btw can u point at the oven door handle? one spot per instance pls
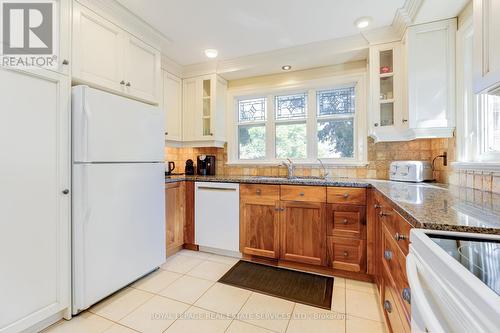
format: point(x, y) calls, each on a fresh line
point(418, 297)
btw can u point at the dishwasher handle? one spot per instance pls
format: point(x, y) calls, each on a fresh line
point(209, 188)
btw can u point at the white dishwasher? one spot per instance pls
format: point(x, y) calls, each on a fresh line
point(217, 217)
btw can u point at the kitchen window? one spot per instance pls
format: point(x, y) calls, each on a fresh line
point(323, 121)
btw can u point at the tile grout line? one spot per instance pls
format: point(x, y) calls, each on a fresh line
point(289, 320)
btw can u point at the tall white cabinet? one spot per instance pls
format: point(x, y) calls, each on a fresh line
point(108, 57)
point(35, 193)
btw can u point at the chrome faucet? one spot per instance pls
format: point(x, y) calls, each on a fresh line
point(291, 168)
point(325, 173)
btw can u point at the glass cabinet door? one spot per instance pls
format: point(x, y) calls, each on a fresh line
point(207, 106)
point(386, 84)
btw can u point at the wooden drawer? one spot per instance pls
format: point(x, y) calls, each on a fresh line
point(269, 193)
point(398, 228)
point(347, 254)
point(346, 221)
point(303, 193)
point(346, 195)
point(397, 321)
point(395, 263)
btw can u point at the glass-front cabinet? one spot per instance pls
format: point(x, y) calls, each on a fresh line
point(386, 74)
point(386, 89)
point(204, 105)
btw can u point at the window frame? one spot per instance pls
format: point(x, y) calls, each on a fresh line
point(472, 125)
point(310, 87)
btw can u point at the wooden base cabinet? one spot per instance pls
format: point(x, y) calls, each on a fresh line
point(259, 220)
point(303, 232)
point(174, 216)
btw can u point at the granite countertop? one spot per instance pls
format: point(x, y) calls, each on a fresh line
point(424, 205)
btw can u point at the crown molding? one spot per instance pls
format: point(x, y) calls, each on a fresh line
point(171, 66)
point(405, 16)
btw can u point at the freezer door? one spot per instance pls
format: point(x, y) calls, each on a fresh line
point(112, 128)
point(118, 227)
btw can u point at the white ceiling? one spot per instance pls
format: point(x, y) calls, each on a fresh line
point(244, 27)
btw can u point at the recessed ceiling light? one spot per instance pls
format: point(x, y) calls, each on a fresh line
point(286, 67)
point(211, 53)
point(363, 22)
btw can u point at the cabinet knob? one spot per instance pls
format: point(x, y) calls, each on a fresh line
point(406, 294)
point(404, 120)
point(258, 191)
point(377, 206)
point(65, 191)
point(346, 254)
point(376, 124)
point(211, 134)
point(398, 236)
point(122, 82)
point(128, 84)
point(345, 221)
point(166, 133)
point(65, 62)
point(387, 306)
point(302, 194)
point(388, 255)
point(383, 214)
point(346, 195)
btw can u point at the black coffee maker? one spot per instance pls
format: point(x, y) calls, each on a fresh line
point(205, 165)
point(189, 169)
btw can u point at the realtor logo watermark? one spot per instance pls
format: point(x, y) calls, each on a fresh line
point(29, 33)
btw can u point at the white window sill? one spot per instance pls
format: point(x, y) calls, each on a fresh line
point(477, 166)
point(327, 164)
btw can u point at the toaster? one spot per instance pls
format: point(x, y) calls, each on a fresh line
point(411, 171)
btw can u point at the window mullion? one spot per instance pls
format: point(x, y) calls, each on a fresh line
point(270, 130)
point(312, 137)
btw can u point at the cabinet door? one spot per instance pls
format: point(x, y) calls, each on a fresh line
point(172, 104)
point(97, 50)
point(259, 228)
point(142, 70)
point(431, 75)
point(303, 232)
point(190, 106)
point(174, 216)
point(486, 45)
point(35, 221)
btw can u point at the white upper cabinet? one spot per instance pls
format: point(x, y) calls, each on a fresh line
point(412, 84)
point(172, 104)
point(386, 73)
point(107, 57)
point(486, 45)
point(431, 77)
point(142, 70)
point(204, 109)
point(97, 51)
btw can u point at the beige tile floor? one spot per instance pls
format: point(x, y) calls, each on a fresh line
point(183, 296)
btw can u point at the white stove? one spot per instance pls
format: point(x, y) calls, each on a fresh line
point(455, 281)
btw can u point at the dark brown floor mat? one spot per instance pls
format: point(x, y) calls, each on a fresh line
point(300, 287)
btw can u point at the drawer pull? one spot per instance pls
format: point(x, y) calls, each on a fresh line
point(345, 221)
point(279, 209)
point(302, 194)
point(383, 214)
point(387, 306)
point(377, 206)
point(346, 254)
point(399, 237)
point(406, 294)
point(388, 255)
point(258, 191)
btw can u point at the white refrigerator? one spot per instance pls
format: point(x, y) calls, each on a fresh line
point(118, 205)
